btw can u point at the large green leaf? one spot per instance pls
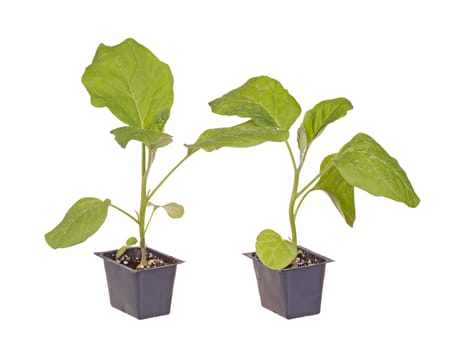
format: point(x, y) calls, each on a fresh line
point(339, 191)
point(151, 138)
point(261, 98)
point(132, 82)
point(243, 135)
point(81, 221)
point(274, 251)
point(365, 164)
point(324, 113)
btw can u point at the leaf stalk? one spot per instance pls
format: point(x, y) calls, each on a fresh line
point(125, 213)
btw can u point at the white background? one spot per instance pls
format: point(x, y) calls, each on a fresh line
point(399, 280)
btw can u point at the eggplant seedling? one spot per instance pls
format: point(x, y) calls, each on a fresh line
point(360, 163)
point(137, 88)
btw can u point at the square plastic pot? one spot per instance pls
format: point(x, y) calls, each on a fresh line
point(140, 293)
point(294, 292)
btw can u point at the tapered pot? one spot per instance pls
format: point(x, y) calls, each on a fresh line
point(292, 292)
point(140, 293)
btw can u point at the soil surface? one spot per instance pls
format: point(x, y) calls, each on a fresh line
point(303, 259)
point(153, 261)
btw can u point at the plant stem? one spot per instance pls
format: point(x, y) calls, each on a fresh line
point(124, 212)
point(291, 155)
point(143, 205)
point(311, 182)
point(323, 171)
point(300, 202)
point(151, 194)
point(303, 157)
point(147, 158)
point(292, 201)
point(150, 218)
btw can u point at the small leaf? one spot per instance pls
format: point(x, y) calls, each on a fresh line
point(174, 210)
point(121, 252)
point(339, 191)
point(131, 241)
point(302, 140)
point(365, 164)
point(161, 119)
point(151, 138)
point(324, 113)
point(132, 82)
point(273, 251)
point(263, 99)
point(243, 135)
point(81, 221)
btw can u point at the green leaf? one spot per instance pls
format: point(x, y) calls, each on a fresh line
point(263, 99)
point(133, 83)
point(131, 241)
point(302, 140)
point(365, 164)
point(151, 138)
point(121, 252)
point(273, 251)
point(324, 113)
point(81, 221)
point(243, 135)
point(174, 210)
point(339, 191)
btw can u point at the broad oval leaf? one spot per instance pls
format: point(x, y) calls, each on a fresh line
point(324, 113)
point(174, 210)
point(151, 138)
point(243, 135)
point(338, 189)
point(273, 251)
point(365, 164)
point(132, 82)
point(81, 221)
point(260, 98)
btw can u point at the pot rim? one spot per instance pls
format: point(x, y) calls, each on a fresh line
point(106, 258)
point(326, 259)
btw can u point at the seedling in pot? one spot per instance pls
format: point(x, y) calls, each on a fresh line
point(361, 163)
point(137, 88)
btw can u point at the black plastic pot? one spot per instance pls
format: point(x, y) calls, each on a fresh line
point(144, 293)
point(293, 292)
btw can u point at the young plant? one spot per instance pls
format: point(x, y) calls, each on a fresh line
point(138, 89)
point(361, 162)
